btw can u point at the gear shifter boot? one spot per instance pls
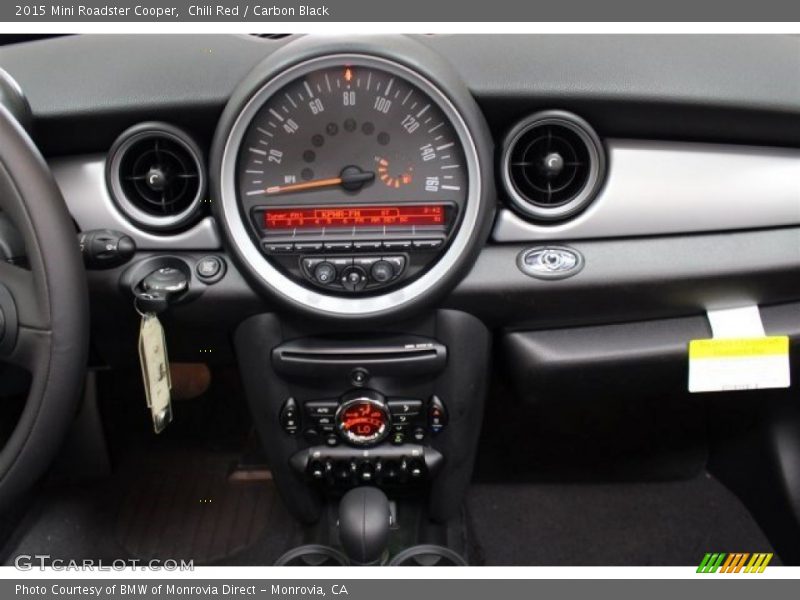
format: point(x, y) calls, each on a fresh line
point(364, 519)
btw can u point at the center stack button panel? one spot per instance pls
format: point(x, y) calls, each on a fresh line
point(353, 273)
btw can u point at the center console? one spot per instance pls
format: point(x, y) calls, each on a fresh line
point(353, 183)
point(397, 406)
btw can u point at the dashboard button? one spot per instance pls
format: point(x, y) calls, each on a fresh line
point(366, 470)
point(398, 262)
point(308, 247)
point(365, 262)
point(437, 415)
point(410, 408)
point(382, 271)
point(209, 268)
point(354, 279)
point(397, 244)
point(340, 262)
point(428, 244)
point(368, 245)
point(277, 248)
point(316, 469)
point(359, 376)
point(325, 273)
point(290, 416)
point(338, 246)
point(309, 264)
point(321, 408)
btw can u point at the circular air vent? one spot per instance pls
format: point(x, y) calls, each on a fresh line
point(553, 164)
point(156, 176)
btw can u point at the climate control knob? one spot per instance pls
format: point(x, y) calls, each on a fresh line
point(363, 418)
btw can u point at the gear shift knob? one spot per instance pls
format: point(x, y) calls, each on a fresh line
point(364, 520)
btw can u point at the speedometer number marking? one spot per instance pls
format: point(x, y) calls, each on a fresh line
point(316, 106)
point(427, 152)
point(382, 104)
point(410, 124)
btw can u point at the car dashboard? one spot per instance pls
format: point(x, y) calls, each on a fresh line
point(381, 232)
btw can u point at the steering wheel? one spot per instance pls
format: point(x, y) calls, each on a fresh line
point(44, 316)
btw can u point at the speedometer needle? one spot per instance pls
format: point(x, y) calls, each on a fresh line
point(351, 178)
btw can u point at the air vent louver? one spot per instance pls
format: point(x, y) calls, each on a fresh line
point(553, 165)
point(156, 176)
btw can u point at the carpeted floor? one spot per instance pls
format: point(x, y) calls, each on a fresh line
point(171, 503)
point(632, 524)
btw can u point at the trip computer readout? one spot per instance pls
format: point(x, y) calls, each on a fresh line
point(354, 217)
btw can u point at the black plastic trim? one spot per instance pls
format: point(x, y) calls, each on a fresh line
point(400, 356)
point(724, 88)
point(637, 279)
point(623, 357)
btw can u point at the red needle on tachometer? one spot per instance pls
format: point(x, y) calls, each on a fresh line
point(351, 178)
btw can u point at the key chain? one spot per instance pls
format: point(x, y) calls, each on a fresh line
point(153, 358)
point(151, 298)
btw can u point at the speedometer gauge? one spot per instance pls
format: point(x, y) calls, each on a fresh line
point(352, 177)
point(351, 150)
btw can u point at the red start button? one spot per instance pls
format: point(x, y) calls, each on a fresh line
point(363, 420)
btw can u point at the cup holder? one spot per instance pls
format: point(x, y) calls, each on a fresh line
point(424, 555)
point(428, 555)
point(313, 555)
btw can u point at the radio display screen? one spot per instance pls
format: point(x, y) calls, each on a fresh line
point(317, 217)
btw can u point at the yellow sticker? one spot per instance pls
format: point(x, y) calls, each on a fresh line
point(722, 364)
point(739, 347)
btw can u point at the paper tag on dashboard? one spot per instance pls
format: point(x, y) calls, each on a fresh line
point(744, 322)
point(739, 356)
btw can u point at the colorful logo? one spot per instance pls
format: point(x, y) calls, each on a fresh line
point(736, 562)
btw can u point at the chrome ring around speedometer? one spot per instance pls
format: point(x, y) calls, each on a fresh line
point(292, 174)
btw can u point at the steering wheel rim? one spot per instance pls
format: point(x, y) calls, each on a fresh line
point(45, 309)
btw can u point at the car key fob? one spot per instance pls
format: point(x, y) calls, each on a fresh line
point(147, 302)
point(166, 280)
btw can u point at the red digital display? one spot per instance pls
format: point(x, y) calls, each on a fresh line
point(363, 421)
point(317, 217)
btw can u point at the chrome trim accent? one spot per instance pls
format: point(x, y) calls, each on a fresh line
point(552, 262)
point(82, 180)
point(662, 188)
point(283, 285)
